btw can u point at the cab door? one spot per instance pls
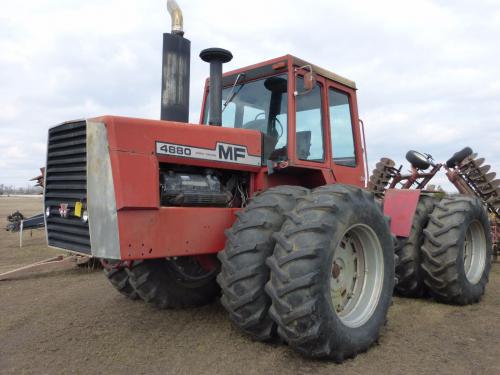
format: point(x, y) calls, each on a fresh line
point(346, 148)
point(308, 130)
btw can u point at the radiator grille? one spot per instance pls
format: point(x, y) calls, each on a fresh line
point(66, 183)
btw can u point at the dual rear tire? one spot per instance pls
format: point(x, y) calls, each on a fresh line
point(448, 252)
point(457, 250)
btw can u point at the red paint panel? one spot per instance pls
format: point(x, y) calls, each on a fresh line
point(400, 206)
point(136, 180)
point(173, 231)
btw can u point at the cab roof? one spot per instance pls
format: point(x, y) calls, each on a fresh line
point(269, 66)
point(324, 72)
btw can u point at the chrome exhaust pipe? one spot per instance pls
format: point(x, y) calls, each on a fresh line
point(175, 69)
point(176, 15)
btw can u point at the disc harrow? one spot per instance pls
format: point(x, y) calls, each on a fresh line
point(468, 172)
point(481, 181)
point(381, 176)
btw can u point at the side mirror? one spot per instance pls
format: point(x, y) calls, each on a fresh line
point(309, 80)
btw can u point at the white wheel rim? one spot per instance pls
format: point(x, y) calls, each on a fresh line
point(357, 275)
point(474, 252)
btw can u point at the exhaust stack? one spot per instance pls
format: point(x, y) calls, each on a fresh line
point(175, 69)
point(216, 57)
point(176, 15)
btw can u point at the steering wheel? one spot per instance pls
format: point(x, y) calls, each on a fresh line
point(280, 127)
point(275, 120)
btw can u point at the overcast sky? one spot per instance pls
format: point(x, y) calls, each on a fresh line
point(428, 72)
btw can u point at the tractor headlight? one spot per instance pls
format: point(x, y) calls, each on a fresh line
point(47, 211)
point(85, 216)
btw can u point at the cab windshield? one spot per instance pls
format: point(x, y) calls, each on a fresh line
point(259, 105)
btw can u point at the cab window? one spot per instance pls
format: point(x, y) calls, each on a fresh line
point(342, 137)
point(259, 105)
point(309, 128)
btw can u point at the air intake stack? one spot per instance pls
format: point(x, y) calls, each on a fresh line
point(216, 57)
point(175, 69)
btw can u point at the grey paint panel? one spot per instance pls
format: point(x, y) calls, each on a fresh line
point(101, 203)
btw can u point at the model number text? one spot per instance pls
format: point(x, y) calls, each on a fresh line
point(176, 150)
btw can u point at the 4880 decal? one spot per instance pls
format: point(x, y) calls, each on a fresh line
point(175, 150)
point(222, 152)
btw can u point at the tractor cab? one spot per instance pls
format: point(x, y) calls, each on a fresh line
point(308, 117)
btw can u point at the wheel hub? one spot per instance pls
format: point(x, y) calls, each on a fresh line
point(336, 269)
point(344, 273)
point(474, 252)
point(356, 275)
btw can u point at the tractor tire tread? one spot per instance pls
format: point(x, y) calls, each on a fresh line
point(244, 272)
point(298, 268)
point(118, 277)
point(442, 250)
point(157, 284)
point(408, 268)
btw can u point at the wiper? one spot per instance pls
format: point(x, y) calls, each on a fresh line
point(232, 94)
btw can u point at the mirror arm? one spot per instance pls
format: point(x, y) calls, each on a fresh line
point(304, 67)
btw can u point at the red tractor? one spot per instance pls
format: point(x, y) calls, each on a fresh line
point(264, 200)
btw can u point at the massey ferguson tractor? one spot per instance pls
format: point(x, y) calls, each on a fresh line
point(262, 203)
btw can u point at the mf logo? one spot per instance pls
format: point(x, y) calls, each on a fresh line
point(231, 152)
point(63, 210)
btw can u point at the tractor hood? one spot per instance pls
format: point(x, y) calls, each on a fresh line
point(181, 143)
point(123, 164)
point(137, 147)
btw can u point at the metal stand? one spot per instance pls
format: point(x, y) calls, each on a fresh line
point(21, 226)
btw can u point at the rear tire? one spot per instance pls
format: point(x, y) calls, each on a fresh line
point(243, 271)
point(409, 268)
point(173, 283)
point(314, 259)
point(457, 250)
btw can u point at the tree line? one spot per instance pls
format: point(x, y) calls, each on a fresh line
point(10, 189)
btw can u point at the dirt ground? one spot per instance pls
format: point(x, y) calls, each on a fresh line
point(73, 321)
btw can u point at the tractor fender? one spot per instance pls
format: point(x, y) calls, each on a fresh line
point(400, 205)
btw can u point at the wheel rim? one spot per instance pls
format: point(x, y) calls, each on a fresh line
point(474, 252)
point(357, 275)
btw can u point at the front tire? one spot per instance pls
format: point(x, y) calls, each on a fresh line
point(243, 270)
point(457, 250)
point(173, 283)
point(332, 273)
point(117, 275)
